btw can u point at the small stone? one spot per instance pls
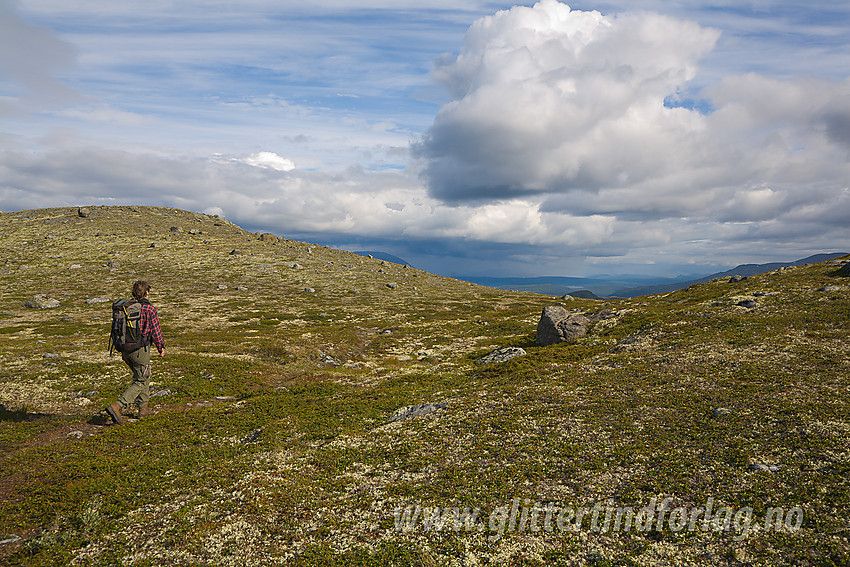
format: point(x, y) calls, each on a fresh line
point(253, 436)
point(501, 355)
point(765, 468)
point(153, 245)
point(50, 355)
point(83, 212)
point(720, 412)
point(222, 286)
point(42, 301)
point(194, 231)
point(235, 252)
point(296, 266)
point(241, 288)
point(91, 300)
point(268, 237)
point(830, 288)
point(112, 264)
point(164, 392)
point(386, 332)
point(76, 434)
point(328, 359)
point(417, 410)
point(392, 285)
point(309, 290)
point(568, 297)
point(9, 538)
point(175, 229)
point(74, 267)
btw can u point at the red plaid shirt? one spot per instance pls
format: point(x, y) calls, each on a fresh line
point(149, 325)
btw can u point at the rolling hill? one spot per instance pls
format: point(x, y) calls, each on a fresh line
point(316, 407)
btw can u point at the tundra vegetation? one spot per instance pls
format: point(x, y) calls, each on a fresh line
point(274, 440)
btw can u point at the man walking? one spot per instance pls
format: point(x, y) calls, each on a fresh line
point(139, 360)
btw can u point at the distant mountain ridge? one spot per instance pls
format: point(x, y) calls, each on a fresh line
point(629, 285)
point(740, 270)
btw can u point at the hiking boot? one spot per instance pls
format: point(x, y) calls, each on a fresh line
point(144, 410)
point(114, 412)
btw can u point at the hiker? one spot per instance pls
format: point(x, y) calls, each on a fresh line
point(138, 314)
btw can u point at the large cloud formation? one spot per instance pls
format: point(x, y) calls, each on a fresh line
point(573, 142)
point(586, 113)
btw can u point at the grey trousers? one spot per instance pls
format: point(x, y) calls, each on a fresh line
point(139, 392)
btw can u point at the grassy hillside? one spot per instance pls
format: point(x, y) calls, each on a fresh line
point(273, 440)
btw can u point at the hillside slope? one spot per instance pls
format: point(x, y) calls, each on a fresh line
point(662, 437)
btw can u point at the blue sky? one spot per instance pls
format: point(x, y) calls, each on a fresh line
point(475, 138)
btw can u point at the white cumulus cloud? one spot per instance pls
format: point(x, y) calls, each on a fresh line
point(270, 160)
point(548, 100)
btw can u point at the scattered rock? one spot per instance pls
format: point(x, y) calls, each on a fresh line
point(253, 436)
point(601, 315)
point(844, 271)
point(408, 412)
point(720, 413)
point(501, 355)
point(74, 267)
point(9, 538)
point(392, 285)
point(765, 468)
point(268, 237)
point(42, 301)
point(568, 297)
point(98, 300)
point(76, 434)
point(296, 266)
point(386, 332)
point(175, 229)
point(241, 288)
point(153, 245)
point(50, 355)
point(83, 212)
point(748, 303)
point(309, 290)
point(222, 286)
point(830, 288)
point(736, 279)
point(164, 392)
point(328, 359)
point(556, 325)
point(112, 264)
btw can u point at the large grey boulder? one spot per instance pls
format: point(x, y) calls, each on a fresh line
point(845, 270)
point(557, 325)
